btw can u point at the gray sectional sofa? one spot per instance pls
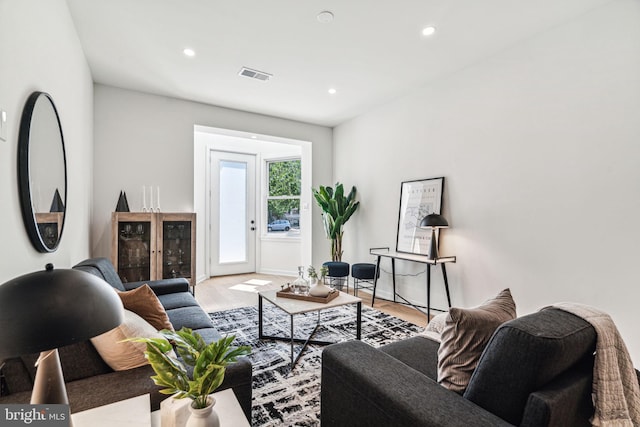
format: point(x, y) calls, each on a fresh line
point(536, 370)
point(91, 383)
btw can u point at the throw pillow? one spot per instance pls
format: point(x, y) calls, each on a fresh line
point(144, 302)
point(464, 336)
point(122, 355)
point(434, 328)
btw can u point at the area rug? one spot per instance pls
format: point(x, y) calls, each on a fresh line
point(284, 398)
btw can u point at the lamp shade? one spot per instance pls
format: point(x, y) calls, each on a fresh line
point(54, 308)
point(434, 221)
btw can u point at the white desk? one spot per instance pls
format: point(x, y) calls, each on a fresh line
point(135, 412)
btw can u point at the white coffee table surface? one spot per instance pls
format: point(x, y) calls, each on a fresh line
point(297, 306)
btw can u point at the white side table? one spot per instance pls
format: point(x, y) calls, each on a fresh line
point(227, 407)
point(132, 412)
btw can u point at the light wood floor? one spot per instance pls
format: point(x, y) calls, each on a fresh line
point(215, 295)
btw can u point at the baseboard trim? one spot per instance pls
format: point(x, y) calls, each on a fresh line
point(278, 272)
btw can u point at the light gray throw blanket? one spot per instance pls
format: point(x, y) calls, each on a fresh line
point(616, 394)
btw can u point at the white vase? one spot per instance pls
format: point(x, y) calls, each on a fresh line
point(319, 289)
point(205, 417)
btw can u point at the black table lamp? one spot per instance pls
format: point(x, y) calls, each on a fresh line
point(42, 311)
point(433, 221)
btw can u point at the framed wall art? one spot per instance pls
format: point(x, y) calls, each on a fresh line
point(417, 199)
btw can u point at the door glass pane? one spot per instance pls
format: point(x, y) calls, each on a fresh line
point(233, 212)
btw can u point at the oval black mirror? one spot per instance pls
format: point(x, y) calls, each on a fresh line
point(42, 172)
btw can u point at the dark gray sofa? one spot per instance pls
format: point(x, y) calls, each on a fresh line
point(89, 380)
point(535, 371)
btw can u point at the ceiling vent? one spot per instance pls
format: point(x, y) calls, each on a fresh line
point(255, 74)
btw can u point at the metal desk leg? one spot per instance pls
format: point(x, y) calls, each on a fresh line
point(375, 281)
point(429, 293)
point(446, 284)
point(393, 275)
point(359, 320)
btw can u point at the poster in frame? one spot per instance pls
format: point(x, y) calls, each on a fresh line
point(418, 199)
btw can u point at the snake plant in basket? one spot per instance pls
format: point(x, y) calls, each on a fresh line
point(207, 360)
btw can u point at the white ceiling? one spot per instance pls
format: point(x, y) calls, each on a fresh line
point(372, 52)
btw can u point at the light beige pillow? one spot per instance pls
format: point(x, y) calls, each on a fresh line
point(119, 355)
point(144, 302)
point(464, 336)
point(434, 328)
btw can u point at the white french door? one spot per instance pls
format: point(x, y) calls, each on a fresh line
point(232, 221)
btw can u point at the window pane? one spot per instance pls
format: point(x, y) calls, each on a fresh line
point(283, 200)
point(284, 178)
point(283, 215)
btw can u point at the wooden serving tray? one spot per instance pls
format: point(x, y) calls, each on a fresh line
point(287, 293)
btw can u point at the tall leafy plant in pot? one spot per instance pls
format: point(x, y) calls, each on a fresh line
point(336, 211)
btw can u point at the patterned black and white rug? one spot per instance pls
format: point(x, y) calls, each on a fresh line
point(284, 398)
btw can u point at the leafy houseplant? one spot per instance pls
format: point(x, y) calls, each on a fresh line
point(314, 274)
point(208, 361)
point(318, 289)
point(336, 211)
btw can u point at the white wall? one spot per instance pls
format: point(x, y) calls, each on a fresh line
point(143, 139)
point(40, 51)
point(540, 147)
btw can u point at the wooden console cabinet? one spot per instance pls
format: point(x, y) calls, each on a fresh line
point(152, 246)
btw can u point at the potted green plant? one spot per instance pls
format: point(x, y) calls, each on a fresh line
point(313, 274)
point(208, 361)
point(318, 287)
point(336, 211)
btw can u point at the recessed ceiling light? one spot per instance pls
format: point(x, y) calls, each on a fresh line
point(325, 17)
point(189, 52)
point(332, 91)
point(254, 137)
point(428, 31)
